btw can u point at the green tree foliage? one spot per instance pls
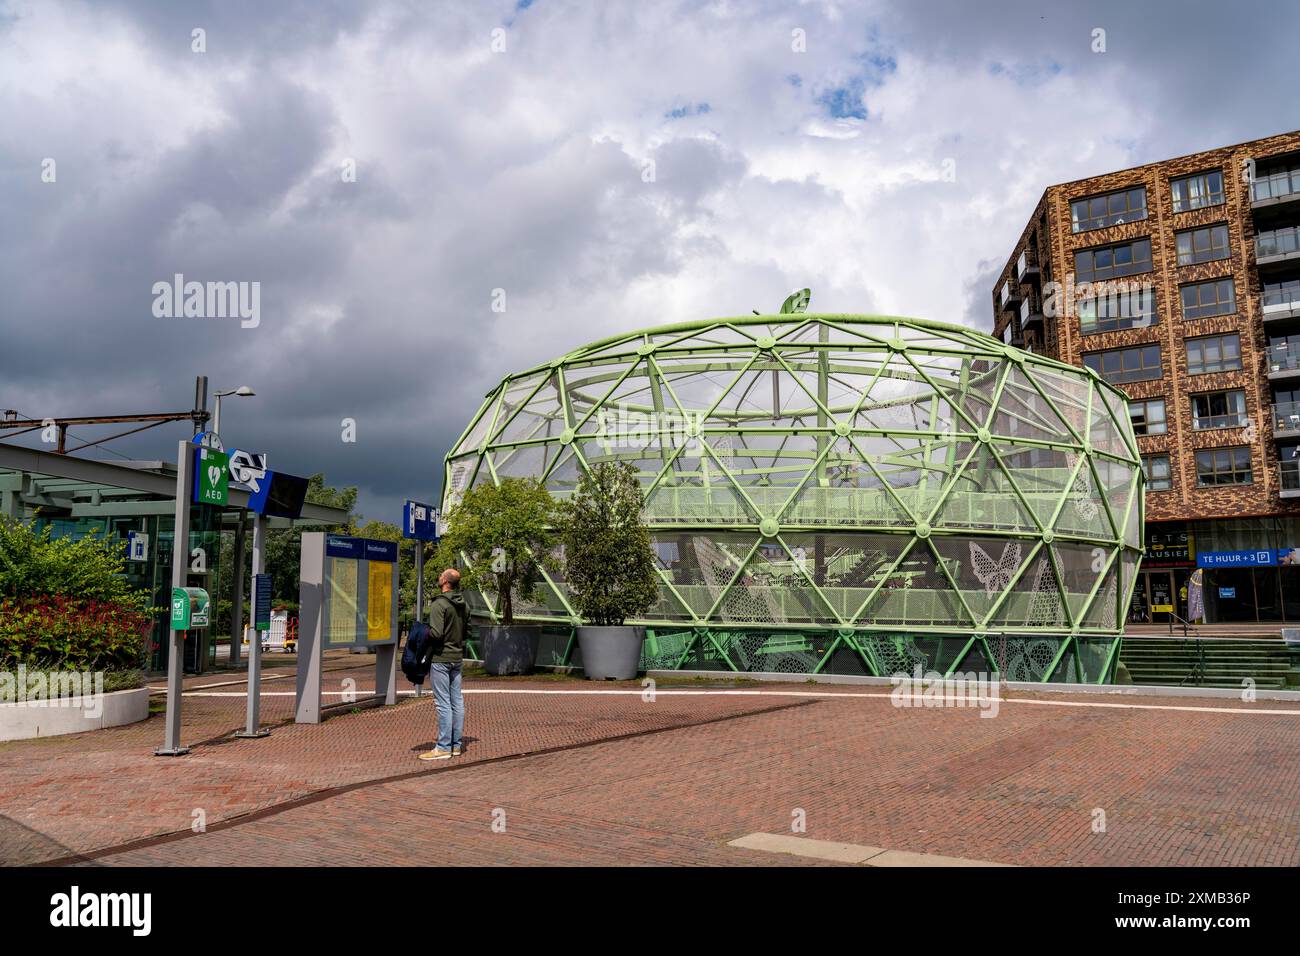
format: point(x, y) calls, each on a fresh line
point(609, 564)
point(501, 537)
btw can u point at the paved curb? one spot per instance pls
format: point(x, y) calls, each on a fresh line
point(853, 853)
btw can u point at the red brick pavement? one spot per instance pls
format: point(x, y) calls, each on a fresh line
point(1178, 787)
point(82, 792)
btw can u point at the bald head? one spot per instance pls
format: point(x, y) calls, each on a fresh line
point(449, 580)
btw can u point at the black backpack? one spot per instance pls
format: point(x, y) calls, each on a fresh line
point(414, 658)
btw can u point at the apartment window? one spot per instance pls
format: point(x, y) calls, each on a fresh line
point(1111, 262)
point(1216, 297)
point(1197, 191)
point(1126, 365)
point(1132, 309)
point(1219, 410)
point(1156, 470)
point(1147, 416)
point(1223, 466)
point(1111, 209)
point(1213, 353)
point(1202, 245)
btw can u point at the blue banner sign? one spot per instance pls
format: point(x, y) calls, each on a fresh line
point(420, 521)
point(1261, 558)
point(361, 549)
point(262, 602)
point(1226, 593)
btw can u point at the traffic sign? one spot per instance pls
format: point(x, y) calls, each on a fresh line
point(420, 521)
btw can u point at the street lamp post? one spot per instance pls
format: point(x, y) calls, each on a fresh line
point(237, 607)
point(243, 392)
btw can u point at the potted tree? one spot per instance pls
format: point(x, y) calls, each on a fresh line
point(610, 568)
point(501, 537)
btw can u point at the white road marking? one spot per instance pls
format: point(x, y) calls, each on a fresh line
point(783, 693)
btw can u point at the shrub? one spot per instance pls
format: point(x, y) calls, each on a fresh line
point(65, 604)
point(609, 564)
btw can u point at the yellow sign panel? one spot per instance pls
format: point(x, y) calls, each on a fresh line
point(341, 579)
point(380, 619)
point(1163, 608)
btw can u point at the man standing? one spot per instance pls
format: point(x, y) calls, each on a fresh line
point(448, 628)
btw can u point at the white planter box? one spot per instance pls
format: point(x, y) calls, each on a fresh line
point(21, 721)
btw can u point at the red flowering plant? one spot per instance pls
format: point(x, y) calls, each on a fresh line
point(66, 605)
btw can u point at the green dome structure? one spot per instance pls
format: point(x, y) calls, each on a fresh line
point(843, 494)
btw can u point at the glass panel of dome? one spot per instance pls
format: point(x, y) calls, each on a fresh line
point(461, 473)
point(474, 437)
point(917, 593)
point(1084, 511)
point(1023, 413)
point(982, 497)
point(1081, 566)
point(521, 461)
point(1069, 395)
point(565, 474)
point(982, 568)
point(1101, 614)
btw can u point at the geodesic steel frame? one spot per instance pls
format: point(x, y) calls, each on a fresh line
point(896, 451)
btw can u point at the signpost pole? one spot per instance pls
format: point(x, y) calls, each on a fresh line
point(180, 561)
point(252, 726)
point(419, 593)
point(237, 609)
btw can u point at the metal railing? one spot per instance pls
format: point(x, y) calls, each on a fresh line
point(1281, 299)
point(1281, 357)
point(1286, 416)
point(1277, 242)
point(1289, 472)
point(1274, 185)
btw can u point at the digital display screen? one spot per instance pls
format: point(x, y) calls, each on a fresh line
point(284, 496)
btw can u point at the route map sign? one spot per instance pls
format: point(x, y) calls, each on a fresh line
point(347, 596)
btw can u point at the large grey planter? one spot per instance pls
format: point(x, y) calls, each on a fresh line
point(510, 650)
point(611, 653)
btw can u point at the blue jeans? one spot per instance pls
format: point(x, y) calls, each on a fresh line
point(445, 681)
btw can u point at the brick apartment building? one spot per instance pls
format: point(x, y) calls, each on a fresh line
point(1179, 281)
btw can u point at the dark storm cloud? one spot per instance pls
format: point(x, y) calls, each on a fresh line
point(524, 171)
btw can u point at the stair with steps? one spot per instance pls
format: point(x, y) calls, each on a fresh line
point(1223, 663)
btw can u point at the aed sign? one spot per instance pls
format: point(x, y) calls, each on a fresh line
point(211, 477)
point(189, 608)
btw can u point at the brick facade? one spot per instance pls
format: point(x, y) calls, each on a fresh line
point(1050, 241)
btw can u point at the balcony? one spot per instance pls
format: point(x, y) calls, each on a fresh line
point(1277, 188)
point(1277, 246)
point(1010, 294)
point(1286, 420)
point(1031, 312)
point(1281, 303)
point(1289, 475)
point(1027, 268)
point(1283, 362)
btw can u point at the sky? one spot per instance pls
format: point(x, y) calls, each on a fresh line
point(432, 195)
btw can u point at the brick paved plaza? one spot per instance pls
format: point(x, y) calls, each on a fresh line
point(593, 774)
